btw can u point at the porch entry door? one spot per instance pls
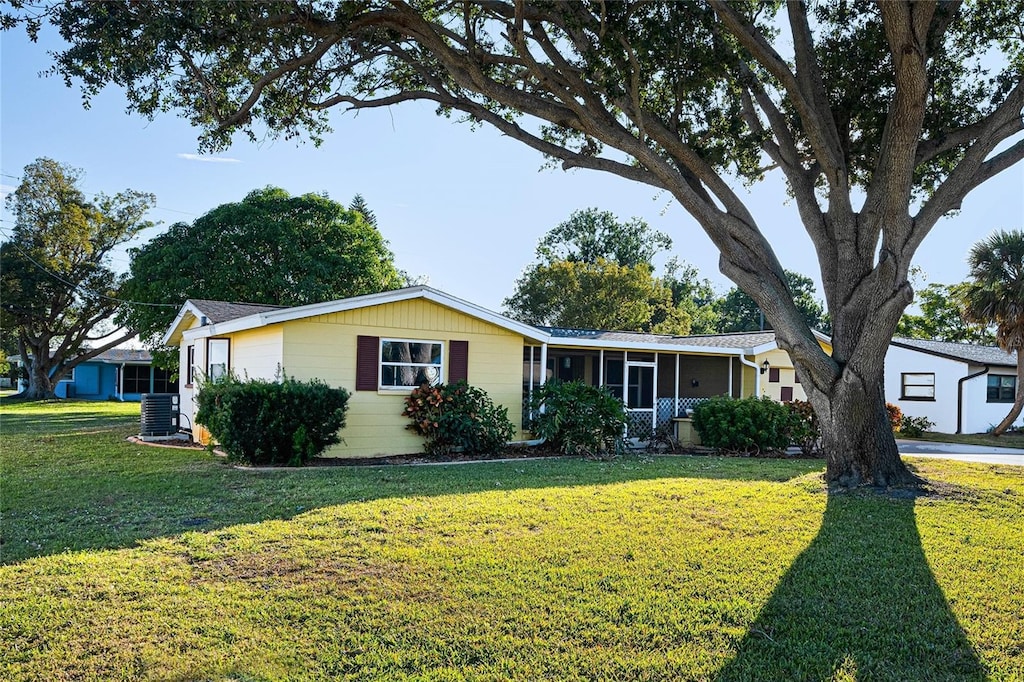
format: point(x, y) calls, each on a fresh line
point(640, 385)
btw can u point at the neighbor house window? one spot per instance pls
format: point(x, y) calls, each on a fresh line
point(217, 355)
point(135, 379)
point(408, 363)
point(1001, 388)
point(917, 386)
point(162, 381)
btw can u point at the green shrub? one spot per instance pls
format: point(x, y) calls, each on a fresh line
point(804, 430)
point(746, 425)
point(458, 417)
point(577, 419)
point(914, 427)
point(272, 422)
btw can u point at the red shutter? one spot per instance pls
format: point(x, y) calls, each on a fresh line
point(367, 362)
point(787, 394)
point(458, 361)
point(773, 375)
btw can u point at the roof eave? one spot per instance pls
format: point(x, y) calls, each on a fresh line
point(330, 307)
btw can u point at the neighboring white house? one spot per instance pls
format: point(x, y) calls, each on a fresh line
point(961, 387)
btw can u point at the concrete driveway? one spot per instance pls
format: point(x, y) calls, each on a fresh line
point(963, 453)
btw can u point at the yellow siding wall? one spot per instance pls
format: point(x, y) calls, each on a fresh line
point(258, 353)
point(787, 375)
point(325, 347)
point(780, 360)
point(747, 380)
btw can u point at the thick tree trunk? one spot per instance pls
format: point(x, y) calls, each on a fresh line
point(856, 434)
point(40, 385)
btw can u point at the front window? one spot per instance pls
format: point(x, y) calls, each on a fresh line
point(217, 359)
point(919, 386)
point(409, 363)
point(1001, 388)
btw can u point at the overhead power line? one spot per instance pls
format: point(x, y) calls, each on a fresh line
point(79, 287)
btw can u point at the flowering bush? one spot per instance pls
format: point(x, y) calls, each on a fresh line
point(895, 415)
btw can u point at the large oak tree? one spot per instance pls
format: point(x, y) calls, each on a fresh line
point(57, 289)
point(270, 247)
point(881, 117)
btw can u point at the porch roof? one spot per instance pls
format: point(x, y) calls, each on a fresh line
point(747, 343)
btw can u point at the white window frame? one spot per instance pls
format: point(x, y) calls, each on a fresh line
point(209, 355)
point(65, 377)
point(381, 363)
point(904, 376)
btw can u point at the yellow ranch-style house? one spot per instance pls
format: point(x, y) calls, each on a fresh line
point(381, 346)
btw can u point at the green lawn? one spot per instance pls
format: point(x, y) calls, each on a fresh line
point(122, 561)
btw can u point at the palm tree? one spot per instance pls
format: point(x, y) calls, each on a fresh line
point(995, 295)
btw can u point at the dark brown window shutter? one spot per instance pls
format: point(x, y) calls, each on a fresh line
point(773, 375)
point(787, 394)
point(367, 362)
point(458, 361)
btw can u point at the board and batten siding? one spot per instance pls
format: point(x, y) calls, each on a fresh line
point(324, 347)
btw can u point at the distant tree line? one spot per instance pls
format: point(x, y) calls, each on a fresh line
point(594, 271)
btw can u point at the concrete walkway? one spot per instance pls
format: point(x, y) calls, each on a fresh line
point(962, 453)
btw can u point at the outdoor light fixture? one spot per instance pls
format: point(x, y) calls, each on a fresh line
point(764, 366)
point(567, 362)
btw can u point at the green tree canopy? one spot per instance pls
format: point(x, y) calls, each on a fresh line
point(269, 248)
point(737, 312)
point(881, 117)
point(57, 291)
point(591, 235)
point(595, 272)
point(359, 204)
point(994, 295)
point(693, 295)
point(600, 295)
point(941, 319)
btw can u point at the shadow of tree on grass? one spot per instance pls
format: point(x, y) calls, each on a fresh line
point(860, 603)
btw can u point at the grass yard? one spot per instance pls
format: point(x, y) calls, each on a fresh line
point(122, 561)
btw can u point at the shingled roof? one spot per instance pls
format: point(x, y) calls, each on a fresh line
point(746, 340)
point(964, 352)
point(222, 311)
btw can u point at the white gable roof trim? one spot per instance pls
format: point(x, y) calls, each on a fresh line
point(330, 307)
point(190, 312)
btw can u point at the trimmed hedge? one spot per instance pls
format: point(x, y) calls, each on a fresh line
point(578, 419)
point(748, 425)
point(283, 422)
point(458, 418)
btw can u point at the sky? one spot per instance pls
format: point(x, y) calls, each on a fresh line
point(462, 209)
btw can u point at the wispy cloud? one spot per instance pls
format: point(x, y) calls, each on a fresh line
point(208, 159)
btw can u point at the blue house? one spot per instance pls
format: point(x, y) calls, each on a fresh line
point(117, 374)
